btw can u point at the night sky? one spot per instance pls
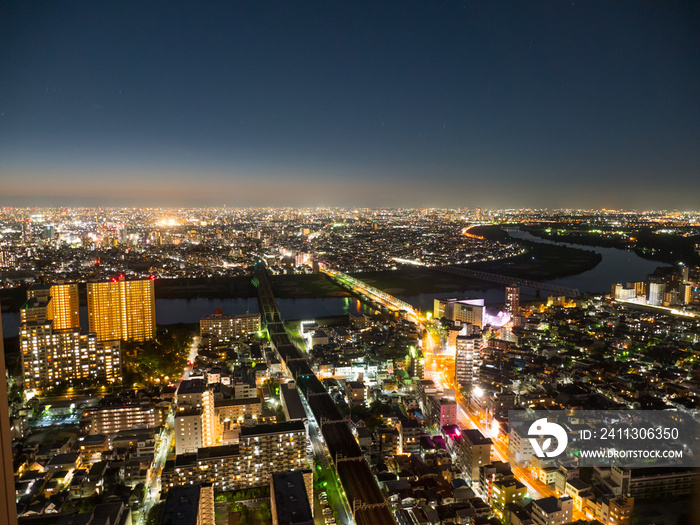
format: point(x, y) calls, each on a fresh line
point(394, 103)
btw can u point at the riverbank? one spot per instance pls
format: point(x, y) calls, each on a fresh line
point(540, 262)
point(659, 247)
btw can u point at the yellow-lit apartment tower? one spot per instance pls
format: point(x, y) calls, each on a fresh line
point(53, 348)
point(58, 303)
point(121, 309)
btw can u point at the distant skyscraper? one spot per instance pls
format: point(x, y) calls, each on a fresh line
point(121, 309)
point(8, 505)
point(513, 300)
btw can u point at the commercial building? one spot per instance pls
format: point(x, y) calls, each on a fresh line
point(462, 310)
point(289, 500)
point(291, 402)
point(121, 309)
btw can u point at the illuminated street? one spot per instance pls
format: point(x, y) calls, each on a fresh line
point(153, 484)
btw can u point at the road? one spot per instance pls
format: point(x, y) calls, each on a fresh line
point(153, 487)
point(499, 450)
point(373, 294)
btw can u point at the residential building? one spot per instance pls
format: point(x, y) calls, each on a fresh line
point(53, 348)
point(467, 359)
point(196, 420)
point(409, 432)
point(110, 418)
point(648, 482)
point(552, 511)
point(513, 300)
point(50, 358)
point(232, 412)
point(388, 441)
point(475, 452)
point(503, 493)
point(519, 446)
point(272, 448)
point(355, 391)
point(289, 500)
point(121, 309)
point(189, 505)
point(58, 303)
point(218, 328)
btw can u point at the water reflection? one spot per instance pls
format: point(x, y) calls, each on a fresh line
point(617, 266)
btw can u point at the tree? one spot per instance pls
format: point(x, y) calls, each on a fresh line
point(265, 512)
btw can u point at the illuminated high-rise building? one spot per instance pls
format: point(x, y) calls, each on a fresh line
point(66, 306)
point(58, 303)
point(467, 359)
point(196, 422)
point(656, 293)
point(53, 348)
point(51, 357)
point(513, 300)
point(121, 309)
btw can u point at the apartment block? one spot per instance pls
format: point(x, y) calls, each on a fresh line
point(122, 310)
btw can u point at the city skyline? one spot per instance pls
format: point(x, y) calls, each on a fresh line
point(538, 105)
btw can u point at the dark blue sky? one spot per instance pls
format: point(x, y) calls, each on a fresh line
point(248, 103)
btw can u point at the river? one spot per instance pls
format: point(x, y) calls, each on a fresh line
point(616, 266)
